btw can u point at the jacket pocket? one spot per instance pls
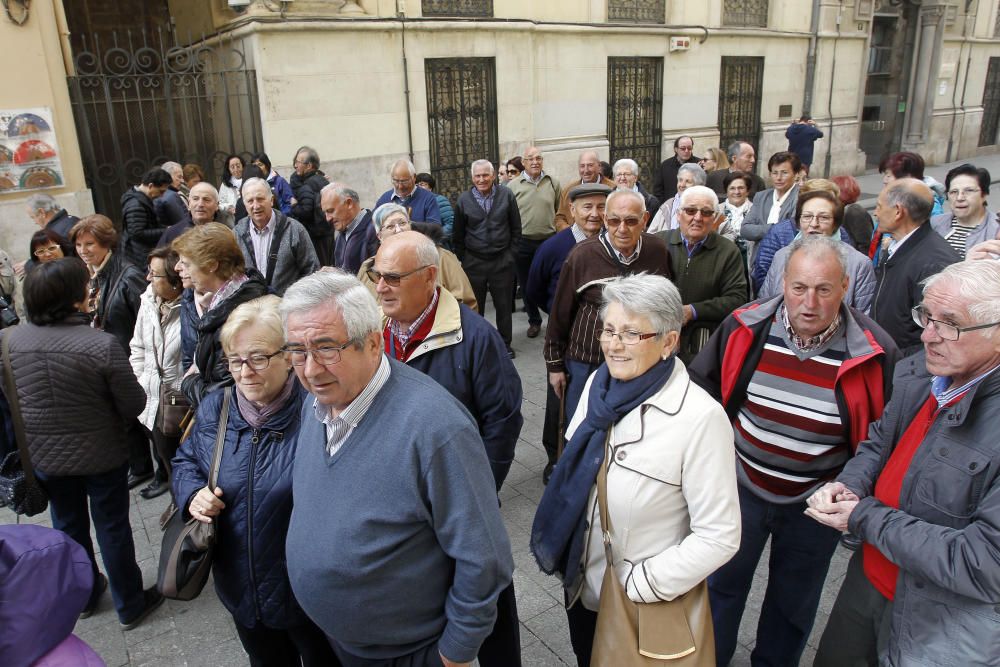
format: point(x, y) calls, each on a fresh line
point(942, 628)
point(950, 483)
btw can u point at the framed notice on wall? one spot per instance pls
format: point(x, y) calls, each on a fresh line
point(29, 155)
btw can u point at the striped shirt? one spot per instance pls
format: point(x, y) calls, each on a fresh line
point(790, 437)
point(958, 237)
point(340, 427)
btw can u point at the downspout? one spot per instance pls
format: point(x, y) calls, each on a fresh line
point(954, 89)
point(829, 98)
point(401, 15)
point(807, 95)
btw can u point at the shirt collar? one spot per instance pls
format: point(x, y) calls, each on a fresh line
point(269, 227)
point(896, 243)
point(526, 177)
point(357, 408)
point(578, 233)
point(354, 223)
point(614, 252)
point(940, 384)
point(404, 335)
point(813, 342)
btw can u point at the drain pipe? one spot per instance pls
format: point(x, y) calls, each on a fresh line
point(807, 95)
point(829, 99)
point(401, 15)
point(954, 88)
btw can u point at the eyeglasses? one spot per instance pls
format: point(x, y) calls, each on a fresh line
point(395, 226)
point(402, 181)
point(537, 158)
point(324, 355)
point(629, 222)
point(945, 330)
point(391, 279)
point(48, 250)
point(965, 192)
point(693, 211)
point(257, 362)
point(626, 337)
point(819, 217)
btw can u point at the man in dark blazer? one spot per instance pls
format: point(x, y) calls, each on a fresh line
point(355, 239)
point(742, 157)
point(665, 178)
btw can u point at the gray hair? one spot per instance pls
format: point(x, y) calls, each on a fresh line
point(626, 162)
point(734, 149)
point(206, 184)
point(380, 214)
point(917, 208)
point(337, 290)
point(426, 251)
point(627, 193)
point(256, 181)
point(45, 202)
point(480, 163)
point(589, 151)
point(815, 245)
point(342, 191)
point(979, 281)
point(310, 154)
point(646, 295)
point(697, 173)
point(405, 163)
point(702, 191)
point(169, 167)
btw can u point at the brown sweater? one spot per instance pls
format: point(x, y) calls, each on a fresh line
point(574, 319)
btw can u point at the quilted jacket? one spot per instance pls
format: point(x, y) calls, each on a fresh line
point(256, 479)
point(77, 392)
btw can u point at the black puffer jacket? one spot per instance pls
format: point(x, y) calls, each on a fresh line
point(307, 208)
point(122, 285)
point(208, 355)
point(77, 391)
point(140, 231)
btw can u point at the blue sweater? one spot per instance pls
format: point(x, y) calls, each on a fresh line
point(545, 268)
point(423, 205)
point(396, 541)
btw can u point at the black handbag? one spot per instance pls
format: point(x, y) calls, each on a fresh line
point(173, 407)
point(188, 546)
point(19, 489)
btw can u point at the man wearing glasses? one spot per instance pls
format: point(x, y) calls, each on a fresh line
point(801, 376)
point(420, 204)
point(923, 494)
point(572, 351)
point(306, 183)
point(396, 548)
point(708, 268)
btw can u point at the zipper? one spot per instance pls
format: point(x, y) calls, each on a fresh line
point(878, 289)
point(254, 439)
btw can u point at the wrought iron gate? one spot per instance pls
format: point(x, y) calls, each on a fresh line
point(741, 84)
point(461, 119)
point(991, 105)
point(635, 109)
point(141, 101)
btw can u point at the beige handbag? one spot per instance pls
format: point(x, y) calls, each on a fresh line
point(631, 634)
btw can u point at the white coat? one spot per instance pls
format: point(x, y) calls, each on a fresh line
point(152, 342)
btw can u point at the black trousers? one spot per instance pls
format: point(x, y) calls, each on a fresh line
point(139, 460)
point(428, 656)
point(526, 249)
point(304, 645)
point(859, 625)
point(497, 277)
point(582, 626)
point(503, 646)
point(165, 447)
point(551, 425)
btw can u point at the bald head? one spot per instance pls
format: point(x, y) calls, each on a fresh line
point(203, 202)
point(902, 206)
point(407, 262)
point(589, 167)
point(533, 161)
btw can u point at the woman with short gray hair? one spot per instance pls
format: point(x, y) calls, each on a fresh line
point(666, 218)
point(665, 450)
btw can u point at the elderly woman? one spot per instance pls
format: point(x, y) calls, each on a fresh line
point(736, 205)
point(819, 213)
point(229, 184)
point(45, 246)
point(77, 393)
point(390, 219)
point(971, 221)
point(252, 502)
point(666, 217)
point(156, 355)
point(626, 176)
point(211, 260)
point(667, 449)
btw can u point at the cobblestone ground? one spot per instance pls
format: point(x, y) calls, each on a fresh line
point(201, 633)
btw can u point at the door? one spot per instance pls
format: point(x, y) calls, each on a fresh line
point(991, 105)
point(741, 85)
point(635, 109)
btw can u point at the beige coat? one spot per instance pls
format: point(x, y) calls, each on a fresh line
point(672, 494)
point(451, 276)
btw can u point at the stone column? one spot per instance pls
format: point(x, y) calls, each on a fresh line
point(930, 34)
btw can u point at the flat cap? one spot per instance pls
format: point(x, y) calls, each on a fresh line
point(588, 190)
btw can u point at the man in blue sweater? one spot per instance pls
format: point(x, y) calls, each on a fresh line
point(396, 548)
point(419, 203)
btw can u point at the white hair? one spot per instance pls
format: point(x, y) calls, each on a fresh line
point(701, 191)
point(626, 162)
point(646, 295)
point(170, 167)
point(481, 163)
point(342, 191)
point(978, 281)
point(206, 184)
point(44, 202)
point(815, 245)
point(627, 193)
point(405, 163)
point(697, 173)
point(339, 291)
point(382, 213)
point(256, 181)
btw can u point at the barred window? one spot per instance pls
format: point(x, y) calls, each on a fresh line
point(744, 13)
point(637, 11)
point(996, 25)
point(457, 8)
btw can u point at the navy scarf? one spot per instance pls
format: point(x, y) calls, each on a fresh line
point(558, 530)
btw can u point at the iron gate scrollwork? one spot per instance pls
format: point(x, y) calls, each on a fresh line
point(637, 11)
point(142, 100)
point(991, 105)
point(635, 110)
point(741, 85)
point(461, 119)
point(744, 13)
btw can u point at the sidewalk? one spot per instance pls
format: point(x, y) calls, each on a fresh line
point(871, 183)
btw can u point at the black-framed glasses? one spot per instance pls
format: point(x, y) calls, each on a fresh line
point(257, 362)
point(943, 329)
point(692, 211)
point(629, 222)
point(626, 337)
point(324, 355)
point(391, 279)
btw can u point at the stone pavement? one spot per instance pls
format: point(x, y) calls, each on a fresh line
point(201, 634)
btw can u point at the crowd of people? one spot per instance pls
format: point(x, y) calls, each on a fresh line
point(729, 362)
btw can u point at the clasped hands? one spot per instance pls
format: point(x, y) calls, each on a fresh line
point(832, 505)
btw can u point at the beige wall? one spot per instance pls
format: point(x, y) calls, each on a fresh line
point(36, 77)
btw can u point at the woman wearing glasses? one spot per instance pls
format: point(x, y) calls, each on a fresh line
point(252, 502)
point(971, 221)
point(666, 449)
point(46, 246)
point(211, 260)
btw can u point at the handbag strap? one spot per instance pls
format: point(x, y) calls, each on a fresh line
point(220, 437)
point(10, 389)
point(602, 500)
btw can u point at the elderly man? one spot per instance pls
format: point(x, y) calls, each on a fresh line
point(307, 182)
point(626, 177)
point(396, 548)
point(742, 157)
point(587, 204)
point(47, 214)
point(801, 376)
point(902, 211)
point(589, 169)
point(171, 208)
point(276, 245)
point(486, 233)
point(665, 179)
point(420, 204)
point(355, 236)
point(708, 268)
point(141, 230)
point(427, 329)
point(572, 351)
point(203, 204)
point(538, 195)
point(924, 495)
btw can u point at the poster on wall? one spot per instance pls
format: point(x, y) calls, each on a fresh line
point(29, 156)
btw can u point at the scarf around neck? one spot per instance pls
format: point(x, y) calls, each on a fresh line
point(558, 529)
point(256, 415)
